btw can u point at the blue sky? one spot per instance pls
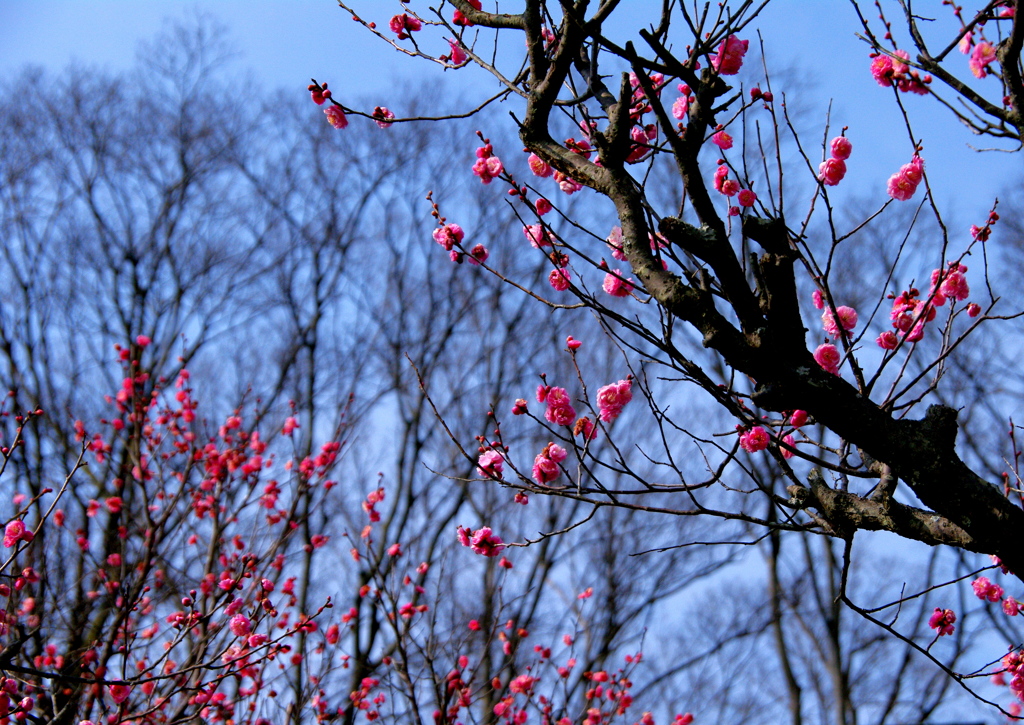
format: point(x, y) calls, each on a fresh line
point(282, 43)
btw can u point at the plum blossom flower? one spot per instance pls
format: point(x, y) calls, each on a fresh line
point(754, 440)
point(612, 398)
point(985, 589)
point(942, 620)
point(560, 410)
point(983, 54)
point(903, 183)
point(458, 56)
point(722, 140)
point(449, 235)
point(545, 465)
point(240, 625)
point(543, 206)
point(831, 171)
point(827, 356)
point(847, 319)
point(841, 148)
point(16, 531)
point(336, 117)
point(729, 58)
point(559, 279)
point(460, 19)
point(746, 198)
point(538, 235)
point(490, 464)
point(538, 166)
point(615, 285)
point(482, 541)
point(488, 167)
point(118, 692)
point(789, 441)
point(478, 254)
point(402, 25)
point(614, 241)
point(585, 427)
point(382, 116)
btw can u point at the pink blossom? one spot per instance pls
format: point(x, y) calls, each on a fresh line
point(841, 148)
point(488, 168)
point(789, 441)
point(985, 589)
point(522, 685)
point(616, 286)
point(1011, 607)
point(831, 171)
point(722, 140)
point(290, 424)
point(449, 235)
point(543, 206)
point(729, 58)
point(545, 469)
point(478, 254)
point(730, 187)
point(572, 343)
point(382, 117)
point(612, 398)
point(827, 356)
point(118, 692)
point(942, 620)
point(490, 464)
point(746, 198)
point(983, 54)
point(567, 184)
point(585, 427)
point(481, 541)
point(818, 299)
point(559, 279)
point(395, 549)
point(973, 309)
point(955, 286)
point(458, 56)
point(881, 70)
point(460, 19)
point(798, 418)
point(560, 410)
point(240, 625)
point(538, 166)
point(754, 440)
point(847, 320)
point(680, 107)
point(614, 241)
point(537, 235)
point(404, 24)
point(14, 532)
point(903, 183)
point(336, 117)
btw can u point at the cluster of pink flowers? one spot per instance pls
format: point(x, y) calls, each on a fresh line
point(892, 70)
point(754, 440)
point(847, 320)
point(833, 169)
point(382, 116)
point(15, 532)
point(828, 357)
point(612, 398)
point(903, 183)
point(448, 236)
point(318, 93)
point(404, 24)
point(490, 464)
point(560, 410)
point(942, 620)
point(729, 58)
point(482, 541)
point(487, 166)
point(910, 313)
point(985, 589)
point(730, 187)
point(616, 285)
point(545, 465)
point(682, 104)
